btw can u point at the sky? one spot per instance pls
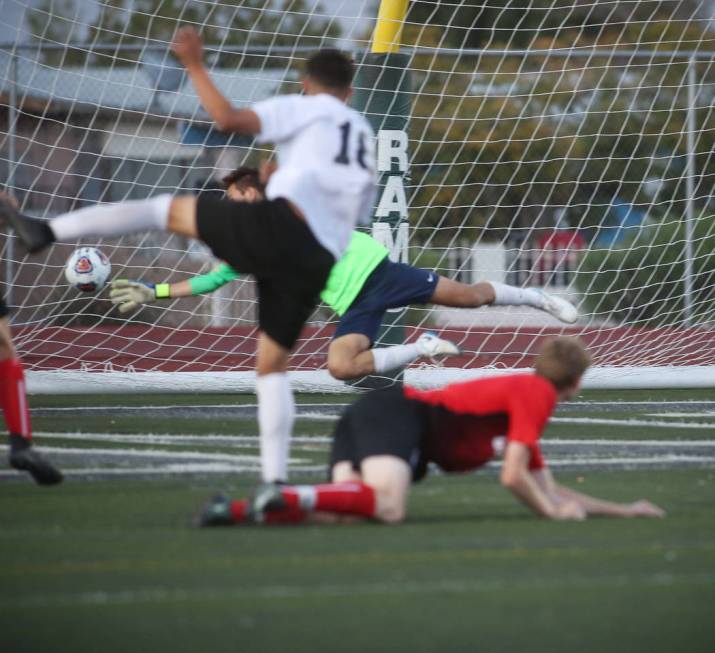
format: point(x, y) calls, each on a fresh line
point(352, 15)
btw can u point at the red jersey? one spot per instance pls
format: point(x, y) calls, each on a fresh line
point(466, 417)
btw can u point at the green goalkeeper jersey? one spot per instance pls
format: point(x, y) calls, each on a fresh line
point(346, 279)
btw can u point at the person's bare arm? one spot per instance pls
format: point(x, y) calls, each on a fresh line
point(180, 289)
point(188, 47)
point(593, 505)
point(266, 170)
point(516, 477)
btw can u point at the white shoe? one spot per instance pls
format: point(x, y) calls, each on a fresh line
point(429, 346)
point(559, 308)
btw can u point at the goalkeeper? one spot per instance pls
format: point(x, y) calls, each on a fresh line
point(362, 285)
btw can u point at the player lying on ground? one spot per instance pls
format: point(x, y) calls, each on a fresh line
point(362, 285)
point(13, 398)
point(289, 242)
point(386, 439)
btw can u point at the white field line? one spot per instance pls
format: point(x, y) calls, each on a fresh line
point(707, 413)
point(226, 468)
point(629, 443)
point(75, 409)
point(227, 462)
point(633, 422)
point(635, 460)
point(253, 440)
point(156, 453)
point(247, 440)
point(318, 417)
point(357, 588)
point(173, 406)
point(312, 415)
point(639, 403)
point(168, 407)
point(164, 470)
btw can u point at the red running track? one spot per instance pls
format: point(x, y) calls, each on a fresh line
point(146, 348)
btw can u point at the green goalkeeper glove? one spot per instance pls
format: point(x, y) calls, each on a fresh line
point(130, 295)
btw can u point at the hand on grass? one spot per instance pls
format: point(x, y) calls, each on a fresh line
point(569, 510)
point(644, 508)
point(188, 47)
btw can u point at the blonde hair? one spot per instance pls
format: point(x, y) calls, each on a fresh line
point(562, 360)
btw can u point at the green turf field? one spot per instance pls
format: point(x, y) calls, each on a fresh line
point(109, 561)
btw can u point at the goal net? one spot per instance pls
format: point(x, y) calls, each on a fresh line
point(562, 144)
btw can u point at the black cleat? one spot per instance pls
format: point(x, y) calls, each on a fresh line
point(34, 234)
point(267, 498)
point(215, 512)
point(26, 459)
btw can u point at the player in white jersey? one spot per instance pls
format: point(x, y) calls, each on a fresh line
point(289, 242)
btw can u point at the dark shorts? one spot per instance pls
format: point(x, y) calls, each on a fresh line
point(391, 285)
point(4, 310)
point(266, 239)
point(382, 423)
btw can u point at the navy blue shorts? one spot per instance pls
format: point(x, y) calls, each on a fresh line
point(391, 285)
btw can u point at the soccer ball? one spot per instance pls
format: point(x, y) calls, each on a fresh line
point(87, 269)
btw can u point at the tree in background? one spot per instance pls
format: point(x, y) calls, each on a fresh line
point(230, 23)
point(506, 144)
point(523, 23)
point(641, 281)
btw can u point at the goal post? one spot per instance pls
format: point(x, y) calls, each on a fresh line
point(383, 94)
point(565, 146)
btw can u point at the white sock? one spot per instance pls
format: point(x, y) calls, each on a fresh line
point(113, 219)
point(512, 296)
point(276, 412)
point(388, 358)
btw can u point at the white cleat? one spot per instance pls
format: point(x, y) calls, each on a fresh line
point(559, 308)
point(429, 346)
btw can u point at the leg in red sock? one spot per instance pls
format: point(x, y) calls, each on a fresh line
point(13, 398)
point(353, 498)
point(222, 511)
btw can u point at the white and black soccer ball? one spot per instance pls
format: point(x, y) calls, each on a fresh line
point(87, 269)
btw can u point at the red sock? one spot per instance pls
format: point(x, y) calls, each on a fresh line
point(343, 498)
point(239, 512)
point(13, 398)
point(239, 509)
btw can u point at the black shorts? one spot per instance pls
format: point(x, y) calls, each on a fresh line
point(266, 239)
point(4, 310)
point(382, 423)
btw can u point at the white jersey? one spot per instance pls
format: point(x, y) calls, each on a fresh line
point(326, 163)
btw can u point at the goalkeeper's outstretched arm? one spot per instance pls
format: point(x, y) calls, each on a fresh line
point(129, 295)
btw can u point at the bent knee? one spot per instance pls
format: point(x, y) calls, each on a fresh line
point(341, 369)
point(389, 507)
point(390, 514)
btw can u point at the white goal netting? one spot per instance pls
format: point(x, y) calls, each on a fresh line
point(564, 144)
